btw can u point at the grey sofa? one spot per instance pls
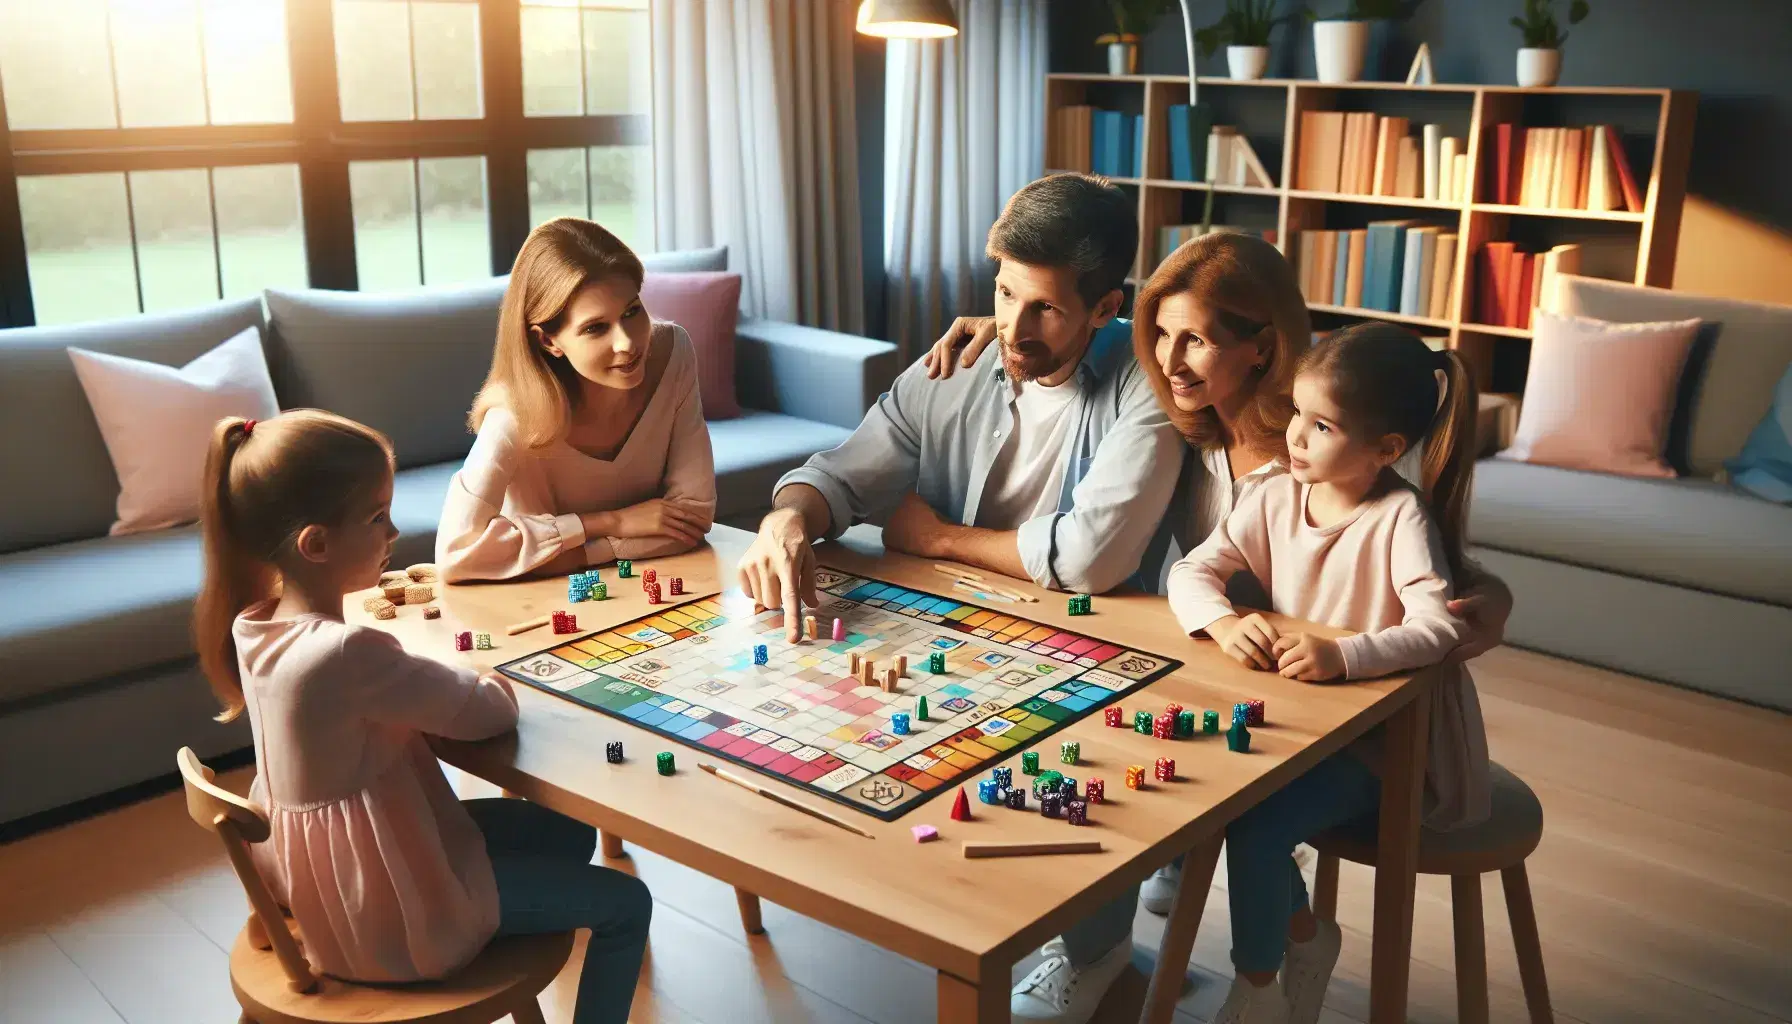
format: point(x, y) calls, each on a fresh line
point(1686, 580)
point(98, 681)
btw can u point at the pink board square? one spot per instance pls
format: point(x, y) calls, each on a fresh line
point(868, 705)
point(1104, 652)
point(717, 740)
point(1082, 646)
point(784, 765)
point(742, 747)
point(1055, 641)
point(763, 756)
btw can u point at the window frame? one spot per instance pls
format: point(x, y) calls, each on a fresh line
point(322, 145)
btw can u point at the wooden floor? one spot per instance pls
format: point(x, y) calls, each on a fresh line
point(1663, 889)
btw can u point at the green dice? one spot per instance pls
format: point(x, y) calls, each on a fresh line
point(1069, 750)
point(664, 762)
point(1141, 722)
point(1210, 721)
point(1029, 763)
point(1185, 723)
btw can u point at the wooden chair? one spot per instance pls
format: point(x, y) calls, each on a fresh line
point(275, 984)
point(1501, 843)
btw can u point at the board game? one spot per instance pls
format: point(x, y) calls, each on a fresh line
point(688, 674)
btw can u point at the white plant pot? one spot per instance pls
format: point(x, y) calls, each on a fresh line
point(1123, 58)
point(1247, 63)
point(1538, 67)
point(1339, 49)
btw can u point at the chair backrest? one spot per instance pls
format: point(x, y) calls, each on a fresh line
point(238, 822)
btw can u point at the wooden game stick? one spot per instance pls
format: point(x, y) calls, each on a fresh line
point(975, 851)
point(813, 812)
point(526, 626)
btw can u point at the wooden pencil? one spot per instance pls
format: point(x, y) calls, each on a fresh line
point(813, 812)
point(526, 626)
point(974, 851)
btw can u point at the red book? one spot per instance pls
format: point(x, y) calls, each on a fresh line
point(1509, 288)
point(1525, 267)
point(1633, 200)
point(1495, 258)
point(1503, 163)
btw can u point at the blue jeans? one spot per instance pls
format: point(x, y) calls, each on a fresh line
point(1263, 882)
point(547, 883)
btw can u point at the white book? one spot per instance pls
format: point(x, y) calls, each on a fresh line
point(1459, 183)
point(1599, 186)
point(1421, 250)
point(1448, 149)
point(1443, 273)
point(1433, 134)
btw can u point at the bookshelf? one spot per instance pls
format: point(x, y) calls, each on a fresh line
point(1655, 126)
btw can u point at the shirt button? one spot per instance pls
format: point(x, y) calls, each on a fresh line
point(998, 433)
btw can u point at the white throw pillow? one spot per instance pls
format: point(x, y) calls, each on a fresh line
point(157, 422)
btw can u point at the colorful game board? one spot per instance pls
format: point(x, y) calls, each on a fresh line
point(687, 673)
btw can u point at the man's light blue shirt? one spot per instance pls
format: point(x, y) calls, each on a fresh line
point(939, 438)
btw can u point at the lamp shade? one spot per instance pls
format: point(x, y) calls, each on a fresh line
point(907, 19)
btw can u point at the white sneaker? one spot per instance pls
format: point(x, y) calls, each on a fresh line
point(1057, 993)
point(1307, 970)
point(1248, 1004)
point(1159, 891)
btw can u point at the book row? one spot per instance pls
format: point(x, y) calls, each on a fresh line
point(1171, 237)
point(1367, 154)
point(1394, 266)
point(1107, 142)
point(1563, 169)
point(1511, 283)
point(1228, 158)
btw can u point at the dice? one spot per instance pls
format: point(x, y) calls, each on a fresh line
point(1094, 790)
point(1113, 717)
point(1017, 799)
point(1004, 777)
point(899, 723)
point(1164, 726)
point(1069, 751)
point(1172, 709)
point(1076, 812)
point(654, 593)
point(613, 751)
point(663, 762)
point(1210, 721)
point(482, 641)
point(463, 641)
point(565, 622)
point(1141, 722)
point(1185, 724)
point(1164, 770)
point(989, 792)
point(936, 662)
point(677, 586)
point(760, 655)
point(650, 576)
point(1029, 763)
point(1051, 804)
point(1135, 776)
point(625, 569)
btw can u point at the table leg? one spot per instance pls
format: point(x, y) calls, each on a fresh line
point(749, 912)
point(1397, 858)
point(612, 845)
point(985, 1002)
point(1179, 931)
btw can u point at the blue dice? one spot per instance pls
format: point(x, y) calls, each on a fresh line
point(989, 792)
point(760, 656)
point(899, 723)
point(1004, 777)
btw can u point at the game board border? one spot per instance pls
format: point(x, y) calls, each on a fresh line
point(923, 796)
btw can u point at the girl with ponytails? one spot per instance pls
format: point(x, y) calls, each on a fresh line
point(1341, 539)
point(389, 876)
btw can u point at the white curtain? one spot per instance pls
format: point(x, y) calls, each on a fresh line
point(964, 127)
point(755, 147)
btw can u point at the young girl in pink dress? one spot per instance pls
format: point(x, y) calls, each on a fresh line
point(388, 875)
point(1341, 539)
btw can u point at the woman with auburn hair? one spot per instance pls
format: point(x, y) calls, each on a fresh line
point(1219, 329)
point(591, 442)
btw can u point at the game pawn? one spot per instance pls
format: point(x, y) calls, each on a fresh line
point(1238, 738)
point(677, 586)
point(1135, 776)
point(1017, 799)
point(1076, 812)
point(808, 628)
point(1163, 727)
point(1095, 790)
point(1069, 751)
point(625, 569)
point(1210, 721)
point(899, 724)
point(1113, 717)
point(1164, 770)
point(1141, 722)
point(613, 751)
point(961, 806)
point(839, 631)
point(663, 761)
point(988, 791)
point(1050, 804)
point(936, 662)
point(1029, 763)
point(921, 708)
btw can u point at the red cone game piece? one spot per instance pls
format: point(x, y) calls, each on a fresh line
point(961, 807)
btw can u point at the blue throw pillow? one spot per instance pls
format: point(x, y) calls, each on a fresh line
point(1765, 466)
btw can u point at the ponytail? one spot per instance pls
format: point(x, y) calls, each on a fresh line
point(234, 577)
point(1450, 458)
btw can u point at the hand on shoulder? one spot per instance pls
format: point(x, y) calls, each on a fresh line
point(972, 334)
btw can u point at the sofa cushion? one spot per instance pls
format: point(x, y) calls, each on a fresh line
point(406, 363)
point(1689, 532)
point(686, 261)
point(79, 612)
point(53, 450)
point(755, 449)
point(1751, 351)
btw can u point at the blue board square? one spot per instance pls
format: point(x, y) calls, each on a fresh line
point(655, 716)
point(696, 730)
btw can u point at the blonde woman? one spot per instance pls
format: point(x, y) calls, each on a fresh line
point(591, 442)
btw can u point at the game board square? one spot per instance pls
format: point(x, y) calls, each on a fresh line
point(1134, 665)
point(840, 778)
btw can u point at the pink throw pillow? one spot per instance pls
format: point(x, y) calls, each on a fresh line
point(707, 305)
point(1599, 396)
point(157, 422)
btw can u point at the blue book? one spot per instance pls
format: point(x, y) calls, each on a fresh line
point(1387, 266)
point(1117, 148)
point(1138, 145)
point(1182, 164)
point(1098, 133)
point(1343, 261)
point(1372, 245)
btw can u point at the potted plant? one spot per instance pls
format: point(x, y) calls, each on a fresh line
point(1132, 19)
point(1244, 29)
point(1341, 44)
point(1540, 59)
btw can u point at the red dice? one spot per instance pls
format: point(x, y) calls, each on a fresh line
point(1165, 770)
point(1114, 717)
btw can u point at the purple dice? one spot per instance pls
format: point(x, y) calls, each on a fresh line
point(1077, 812)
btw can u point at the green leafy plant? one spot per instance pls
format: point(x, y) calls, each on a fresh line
point(1374, 10)
point(1245, 23)
point(1539, 23)
point(1132, 19)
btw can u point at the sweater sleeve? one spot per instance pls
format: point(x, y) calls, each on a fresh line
point(485, 532)
point(1420, 574)
point(690, 480)
point(1197, 583)
point(392, 687)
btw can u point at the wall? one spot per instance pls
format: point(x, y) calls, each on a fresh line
point(1736, 235)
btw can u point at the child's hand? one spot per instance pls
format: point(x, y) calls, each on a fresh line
point(1309, 658)
point(1250, 641)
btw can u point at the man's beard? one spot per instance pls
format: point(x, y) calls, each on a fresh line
point(1030, 360)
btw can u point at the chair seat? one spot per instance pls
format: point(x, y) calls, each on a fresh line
point(1506, 838)
point(508, 972)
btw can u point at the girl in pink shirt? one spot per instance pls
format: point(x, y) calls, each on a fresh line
point(1341, 539)
point(389, 876)
point(592, 445)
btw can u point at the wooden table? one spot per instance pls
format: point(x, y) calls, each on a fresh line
point(971, 920)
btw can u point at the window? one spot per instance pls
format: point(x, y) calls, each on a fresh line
point(612, 185)
point(420, 221)
point(403, 60)
point(589, 57)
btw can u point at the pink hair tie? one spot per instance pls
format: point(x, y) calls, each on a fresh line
point(248, 427)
